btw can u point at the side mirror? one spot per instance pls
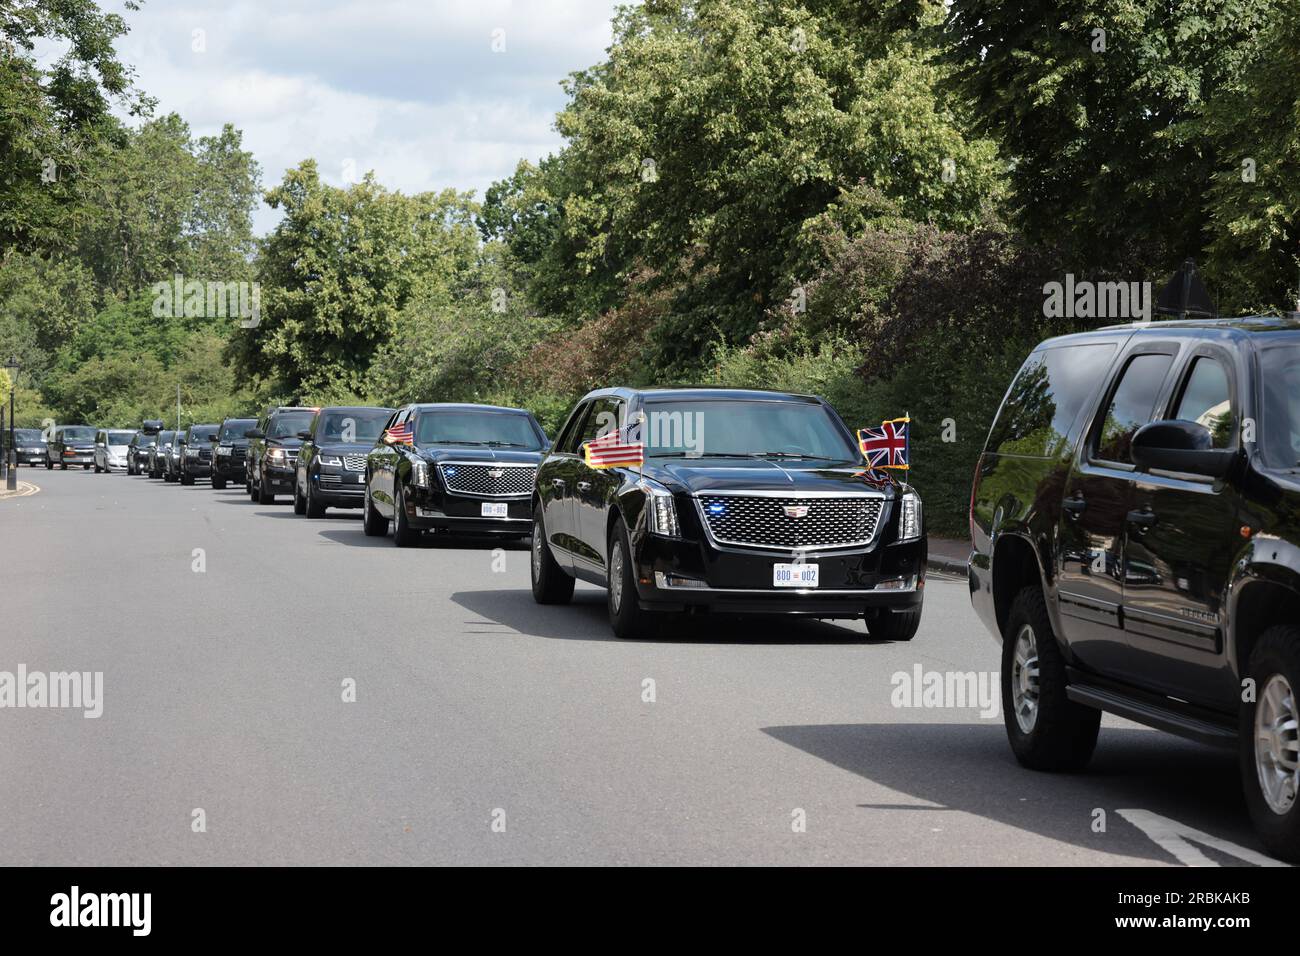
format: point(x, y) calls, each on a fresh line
point(305, 435)
point(255, 433)
point(1180, 446)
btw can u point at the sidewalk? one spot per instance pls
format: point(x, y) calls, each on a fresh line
point(24, 489)
point(948, 554)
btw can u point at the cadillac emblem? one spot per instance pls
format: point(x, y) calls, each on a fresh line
point(795, 511)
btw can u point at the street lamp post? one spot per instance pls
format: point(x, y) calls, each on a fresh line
point(11, 483)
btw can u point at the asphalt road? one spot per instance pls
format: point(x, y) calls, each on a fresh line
point(223, 692)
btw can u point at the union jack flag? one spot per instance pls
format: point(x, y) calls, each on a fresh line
point(401, 434)
point(888, 445)
point(615, 450)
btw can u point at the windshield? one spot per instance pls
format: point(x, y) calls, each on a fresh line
point(234, 431)
point(463, 427)
point(78, 433)
point(735, 427)
point(352, 425)
point(1280, 377)
point(120, 438)
point(24, 435)
point(165, 437)
point(202, 433)
point(289, 424)
point(144, 441)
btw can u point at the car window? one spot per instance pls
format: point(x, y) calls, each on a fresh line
point(1046, 397)
point(602, 419)
point(1207, 400)
point(567, 443)
point(1131, 406)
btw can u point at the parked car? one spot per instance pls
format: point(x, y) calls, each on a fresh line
point(111, 446)
point(273, 452)
point(467, 468)
point(137, 451)
point(70, 445)
point(230, 451)
point(1135, 522)
point(747, 502)
point(158, 453)
point(331, 467)
point(194, 453)
point(30, 445)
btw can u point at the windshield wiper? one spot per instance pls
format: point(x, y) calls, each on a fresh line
point(449, 442)
point(707, 454)
point(505, 444)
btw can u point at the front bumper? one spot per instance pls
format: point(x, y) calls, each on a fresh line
point(196, 468)
point(278, 478)
point(437, 509)
point(30, 458)
point(677, 574)
point(80, 458)
point(230, 467)
point(339, 488)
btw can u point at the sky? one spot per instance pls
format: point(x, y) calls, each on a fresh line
point(429, 95)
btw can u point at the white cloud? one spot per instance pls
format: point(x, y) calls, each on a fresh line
point(412, 90)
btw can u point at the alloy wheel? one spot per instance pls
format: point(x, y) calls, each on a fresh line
point(1024, 679)
point(1277, 744)
point(616, 577)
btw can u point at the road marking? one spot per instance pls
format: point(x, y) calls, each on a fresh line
point(1173, 837)
point(25, 489)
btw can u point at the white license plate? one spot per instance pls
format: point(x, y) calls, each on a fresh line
point(491, 510)
point(794, 575)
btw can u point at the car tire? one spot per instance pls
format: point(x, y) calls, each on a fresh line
point(218, 482)
point(85, 468)
point(404, 536)
point(1269, 740)
point(551, 583)
point(186, 478)
point(63, 466)
point(49, 465)
point(1046, 729)
point(299, 504)
point(97, 469)
point(626, 615)
point(313, 507)
point(265, 496)
point(372, 522)
point(895, 625)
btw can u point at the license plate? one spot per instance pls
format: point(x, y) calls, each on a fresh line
point(491, 510)
point(794, 575)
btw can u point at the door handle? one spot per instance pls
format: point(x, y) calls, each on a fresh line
point(1074, 506)
point(1142, 520)
point(557, 482)
point(584, 486)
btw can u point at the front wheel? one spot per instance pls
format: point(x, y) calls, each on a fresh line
point(404, 536)
point(626, 615)
point(265, 496)
point(187, 478)
point(299, 505)
point(218, 482)
point(314, 508)
point(551, 583)
point(49, 465)
point(1047, 730)
point(372, 522)
point(63, 466)
point(895, 625)
point(1269, 742)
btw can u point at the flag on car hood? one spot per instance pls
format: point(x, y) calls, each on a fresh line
point(888, 445)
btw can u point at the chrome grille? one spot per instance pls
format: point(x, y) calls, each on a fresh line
point(354, 462)
point(491, 479)
point(761, 521)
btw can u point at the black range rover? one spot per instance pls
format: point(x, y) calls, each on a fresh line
point(748, 502)
point(332, 458)
point(453, 468)
point(1135, 523)
point(229, 451)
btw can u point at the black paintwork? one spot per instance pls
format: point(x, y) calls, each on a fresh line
point(63, 451)
point(260, 470)
point(230, 449)
point(579, 505)
point(194, 455)
point(1157, 581)
point(346, 489)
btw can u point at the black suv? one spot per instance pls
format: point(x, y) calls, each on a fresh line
point(231, 448)
point(453, 468)
point(1135, 523)
point(194, 459)
point(159, 452)
point(273, 452)
point(748, 502)
point(70, 445)
point(31, 447)
point(137, 453)
point(332, 459)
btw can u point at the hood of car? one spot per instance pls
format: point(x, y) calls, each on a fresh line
point(294, 442)
point(510, 456)
point(795, 476)
point(344, 448)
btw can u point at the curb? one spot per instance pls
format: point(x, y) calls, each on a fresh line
point(947, 565)
point(25, 489)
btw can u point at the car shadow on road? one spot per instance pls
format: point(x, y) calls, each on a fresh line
point(441, 542)
point(969, 768)
point(587, 619)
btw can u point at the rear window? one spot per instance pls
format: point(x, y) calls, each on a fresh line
point(1046, 397)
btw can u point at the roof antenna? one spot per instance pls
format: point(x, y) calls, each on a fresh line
point(1184, 295)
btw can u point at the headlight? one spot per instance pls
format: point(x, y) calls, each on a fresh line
point(420, 474)
point(332, 460)
point(224, 449)
point(661, 510)
point(276, 456)
point(191, 453)
point(909, 520)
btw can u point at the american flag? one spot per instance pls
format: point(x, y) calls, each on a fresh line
point(401, 434)
point(615, 450)
point(886, 446)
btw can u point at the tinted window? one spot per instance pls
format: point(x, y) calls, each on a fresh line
point(78, 433)
point(1280, 382)
point(1131, 406)
point(1046, 397)
point(1207, 400)
point(352, 425)
point(465, 427)
point(744, 427)
point(120, 438)
point(234, 431)
point(289, 424)
point(568, 440)
point(601, 420)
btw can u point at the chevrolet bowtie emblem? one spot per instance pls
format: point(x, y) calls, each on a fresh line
point(795, 511)
point(495, 473)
